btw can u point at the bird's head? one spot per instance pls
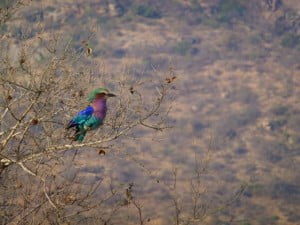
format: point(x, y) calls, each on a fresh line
point(100, 93)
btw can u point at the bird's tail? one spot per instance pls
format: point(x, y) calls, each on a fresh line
point(79, 136)
point(80, 132)
point(71, 124)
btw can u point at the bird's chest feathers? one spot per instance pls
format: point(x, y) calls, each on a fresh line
point(99, 106)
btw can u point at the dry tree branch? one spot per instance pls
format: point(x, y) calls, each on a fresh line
point(19, 121)
point(31, 122)
point(7, 12)
point(14, 83)
point(139, 209)
point(47, 196)
point(120, 132)
point(42, 179)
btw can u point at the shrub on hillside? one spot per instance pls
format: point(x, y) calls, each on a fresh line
point(229, 9)
point(290, 40)
point(147, 11)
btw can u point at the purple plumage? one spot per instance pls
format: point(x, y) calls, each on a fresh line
point(99, 106)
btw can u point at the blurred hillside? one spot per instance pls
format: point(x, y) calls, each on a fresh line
point(237, 68)
point(184, 31)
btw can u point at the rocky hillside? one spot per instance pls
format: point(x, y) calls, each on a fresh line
point(237, 68)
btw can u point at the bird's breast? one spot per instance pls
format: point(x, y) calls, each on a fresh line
point(100, 108)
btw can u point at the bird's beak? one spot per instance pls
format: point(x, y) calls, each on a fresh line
point(111, 95)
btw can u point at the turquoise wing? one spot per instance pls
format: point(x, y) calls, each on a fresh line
point(79, 123)
point(84, 121)
point(92, 122)
point(81, 117)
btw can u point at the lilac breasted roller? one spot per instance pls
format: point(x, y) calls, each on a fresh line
point(93, 115)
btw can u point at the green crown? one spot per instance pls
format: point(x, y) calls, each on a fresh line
point(102, 90)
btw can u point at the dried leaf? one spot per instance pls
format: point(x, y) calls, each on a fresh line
point(101, 152)
point(69, 199)
point(89, 51)
point(170, 79)
point(131, 90)
point(34, 121)
point(22, 60)
point(9, 97)
point(80, 93)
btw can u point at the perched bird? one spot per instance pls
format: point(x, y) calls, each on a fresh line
point(93, 115)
